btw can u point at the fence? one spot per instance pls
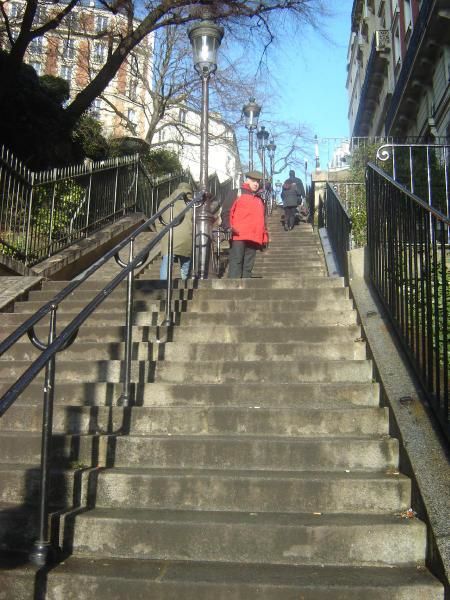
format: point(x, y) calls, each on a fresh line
point(43, 212)
point(409, 267)
point(422, 168)
point(339, 227)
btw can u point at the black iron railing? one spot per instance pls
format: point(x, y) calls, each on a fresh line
point(41, 213)
point(58, 342)
point(408, 244)
point(339, 227)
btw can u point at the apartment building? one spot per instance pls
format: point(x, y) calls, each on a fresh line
point(181, 134)
point(76, 51)
point(398, 68)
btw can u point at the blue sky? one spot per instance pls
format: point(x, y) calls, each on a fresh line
point(311, 71)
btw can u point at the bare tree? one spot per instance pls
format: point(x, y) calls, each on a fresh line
point(263, 15)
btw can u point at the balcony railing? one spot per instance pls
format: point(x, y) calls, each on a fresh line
point(419, 28)
point(368, 82)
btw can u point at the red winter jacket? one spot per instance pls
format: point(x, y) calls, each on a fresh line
point(247, 218)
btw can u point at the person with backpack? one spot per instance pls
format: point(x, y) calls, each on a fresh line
point(291, 194)
point(248, 228)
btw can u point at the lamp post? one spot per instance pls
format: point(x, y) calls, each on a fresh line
point(251, 112)
point(316, 151)
point(205, 38)
point(271, 147)
point(261, 138)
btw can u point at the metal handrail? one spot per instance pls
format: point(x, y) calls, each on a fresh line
point(57, 343)
point(9, 397)
point(408, 249)
point(339, 227)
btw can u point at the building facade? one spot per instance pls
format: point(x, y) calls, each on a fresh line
point(398, 69)
point(76, 51)
point(182, 135)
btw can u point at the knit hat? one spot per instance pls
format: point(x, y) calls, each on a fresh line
point(257, 175)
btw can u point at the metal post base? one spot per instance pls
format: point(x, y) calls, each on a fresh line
point(41, 554)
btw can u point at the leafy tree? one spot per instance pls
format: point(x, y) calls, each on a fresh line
point(36, 128)
point(88, 133)
point(57, 88)
point(158, 162)
point(163, 161)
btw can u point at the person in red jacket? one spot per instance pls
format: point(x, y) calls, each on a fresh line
point(248, 227)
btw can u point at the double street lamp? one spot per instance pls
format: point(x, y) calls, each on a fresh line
point(205, 38)
point(261, 141)
point(251, 112)
point(271, 150)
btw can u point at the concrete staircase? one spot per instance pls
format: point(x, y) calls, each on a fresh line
point(255, 464)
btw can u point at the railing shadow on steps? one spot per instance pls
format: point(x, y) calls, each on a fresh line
point(409, 255)
point(58, 342)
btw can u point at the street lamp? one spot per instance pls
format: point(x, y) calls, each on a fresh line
point(205, 38)
point(251, 112)
point(261, 139)
point(271, 150)
point(316, 152)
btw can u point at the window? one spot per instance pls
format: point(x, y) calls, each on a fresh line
point(132, 89)
point(101, 24)
point(407, 15)
point(397, 48)
point(71, 21)
point(182, 115)
point(16, 10)
point(40, 15)
point(132, 116)
point(69, 49)
point(161, 135)
point(35, 46)
point(37, 66)
point(66, 73)
point(99, 52)
point(96, 107)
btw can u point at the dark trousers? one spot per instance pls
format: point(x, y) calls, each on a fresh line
point(241, 259)
point(289, 216)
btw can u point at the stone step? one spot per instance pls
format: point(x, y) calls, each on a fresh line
point(197, 489)
point(208, 451)
point(203, 303)
point(92, 332)
point(344, 349)
point(267, 395)
point(193, 420)
point(357, 540)
point(213, 371)
point(276, 319)
point(113, 580)
point(207, 320)
point(157, 285)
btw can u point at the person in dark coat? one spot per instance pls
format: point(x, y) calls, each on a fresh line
point(292, 194)
point(247, 222)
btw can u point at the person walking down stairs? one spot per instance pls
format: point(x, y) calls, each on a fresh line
point(248, 227)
